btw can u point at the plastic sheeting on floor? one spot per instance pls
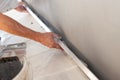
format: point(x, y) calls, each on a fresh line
point(45, 63)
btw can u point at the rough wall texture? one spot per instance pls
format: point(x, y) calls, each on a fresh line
point(92, 26)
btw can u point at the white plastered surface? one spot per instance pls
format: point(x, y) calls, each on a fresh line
point(46, 63)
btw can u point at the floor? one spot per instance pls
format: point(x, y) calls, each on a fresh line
point(45, 63)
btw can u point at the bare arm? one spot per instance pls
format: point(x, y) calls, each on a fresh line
point(11, 26)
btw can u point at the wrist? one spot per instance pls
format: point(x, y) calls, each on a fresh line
point(37, 36)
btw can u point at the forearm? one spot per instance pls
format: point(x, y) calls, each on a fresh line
point(11, 26)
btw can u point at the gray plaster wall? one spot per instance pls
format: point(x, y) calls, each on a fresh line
point(91, 26)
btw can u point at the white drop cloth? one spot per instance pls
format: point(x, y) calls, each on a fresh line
point(46, 64)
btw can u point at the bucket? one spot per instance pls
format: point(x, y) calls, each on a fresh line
point(18, 50)
point(25, 73)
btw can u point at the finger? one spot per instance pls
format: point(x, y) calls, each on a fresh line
point(56, 45)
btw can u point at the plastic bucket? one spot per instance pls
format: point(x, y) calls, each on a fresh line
point(25, 73)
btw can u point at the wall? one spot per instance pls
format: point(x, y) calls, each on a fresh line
point(91, 26)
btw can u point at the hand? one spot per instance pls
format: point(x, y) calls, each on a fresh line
point(48, 39)
point(20, 7)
